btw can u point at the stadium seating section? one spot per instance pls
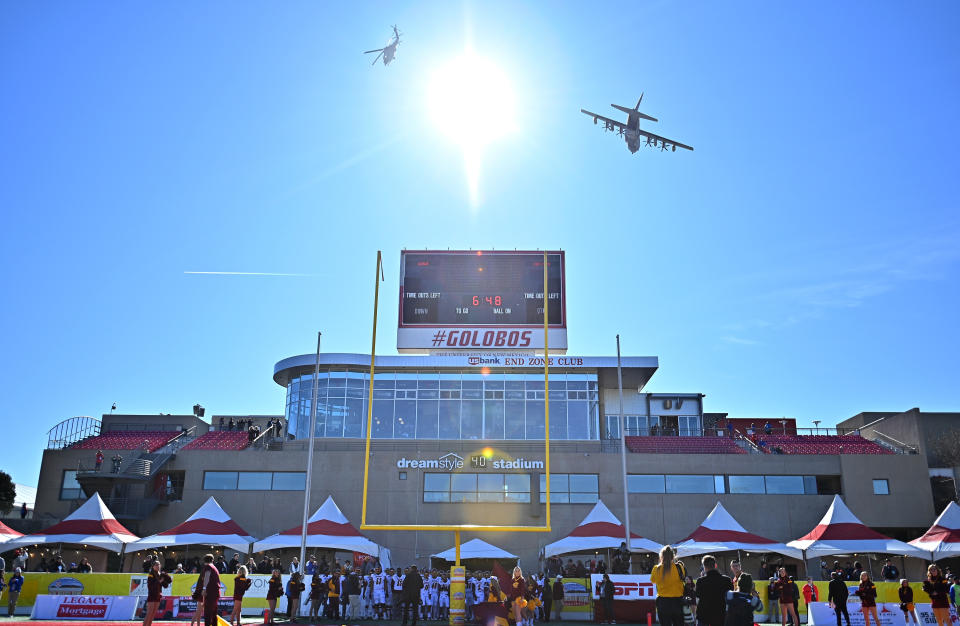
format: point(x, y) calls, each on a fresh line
point(821, 444)
point(127, 440)
point(219, 440)
point(683, 445)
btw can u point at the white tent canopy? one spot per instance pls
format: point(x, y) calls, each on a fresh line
point(327, 528)
point(475, 549)
point(600, 529)
point(943, 539)
point(209, 525)
point(7, 533)
point(840, 532)
point(720, 532)
point(92, 525)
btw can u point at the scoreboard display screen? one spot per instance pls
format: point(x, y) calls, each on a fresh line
point(480, 288)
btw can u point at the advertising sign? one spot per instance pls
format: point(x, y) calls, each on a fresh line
point(62, 607)
point(477, 300)
point(458, 597)
point(820, 614)
point(576, 595)
point(626, 586)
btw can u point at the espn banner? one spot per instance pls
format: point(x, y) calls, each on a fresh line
point(625, 586)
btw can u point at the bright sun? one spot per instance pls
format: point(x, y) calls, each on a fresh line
point(472, 102)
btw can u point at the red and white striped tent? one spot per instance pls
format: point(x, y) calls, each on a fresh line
point(840, 532)
point(943, 539)
point(7, 533)
point(327, 528)
point(720, 532)
point(210, 526)
point(599, 529)
point(92, 525)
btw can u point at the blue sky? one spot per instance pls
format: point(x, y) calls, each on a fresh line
point(803, 261)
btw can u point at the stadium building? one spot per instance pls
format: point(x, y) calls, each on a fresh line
point(458, 437)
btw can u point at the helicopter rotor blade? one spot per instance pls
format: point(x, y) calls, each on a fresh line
point(378, 58)
point(377, 50)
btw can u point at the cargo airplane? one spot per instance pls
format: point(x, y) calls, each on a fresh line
point(631, 131)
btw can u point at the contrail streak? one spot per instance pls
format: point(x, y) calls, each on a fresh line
point(247, 273)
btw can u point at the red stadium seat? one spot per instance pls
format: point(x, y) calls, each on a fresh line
point(821, 444)
point(220, 440)
point(127, 440)
point(683, 445)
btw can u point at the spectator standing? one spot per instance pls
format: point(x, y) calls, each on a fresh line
point(23, 511)
point(412, 584)
point(558, 597)
point(295, 566)
point(867, 593)
point(601, 567)
point(98, 460)
point(742, 603)
point(810, 593)
point(837, 594)
point(711, 590)
point(221, 564)
point(668, 576)
point(786, 592)
point(906, 602)
point(547, 596)
point(768, 428)
point(208, 588)
point(773, 600)
point(763, 573)
point(84, 567)
point(606, 595)
point(14, 585)
point(689, 601)
point(857, 571)
point(735, 571)
point(294, 590)
point(581, 570)
point(939, 591)
point(890, 573)
point(333, 595)
point(311, 567)
point(117, 460)
point(234, 563)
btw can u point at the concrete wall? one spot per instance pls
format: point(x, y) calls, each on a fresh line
point(338, 471)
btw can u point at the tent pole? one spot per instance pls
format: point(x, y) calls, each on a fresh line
point(309, 481)
point(623, 461)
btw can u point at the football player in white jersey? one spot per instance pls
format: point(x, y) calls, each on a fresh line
point(380, 585)
point(366, 597)
point(443, 599)
point(396, 592)
point(425, 598)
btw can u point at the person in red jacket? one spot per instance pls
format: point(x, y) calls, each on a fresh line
point(156, 581)
point(937, 587)
point(240, 585)
point(868, 599)
point(810, 593)
point(208, 587)
point(517, 593)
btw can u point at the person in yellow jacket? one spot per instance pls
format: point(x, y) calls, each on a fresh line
point(668, 576)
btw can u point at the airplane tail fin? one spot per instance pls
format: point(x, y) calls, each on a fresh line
point(634, 111)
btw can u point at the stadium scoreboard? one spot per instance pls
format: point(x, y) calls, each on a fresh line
point(470, 300)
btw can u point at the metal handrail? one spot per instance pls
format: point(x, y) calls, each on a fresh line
point(260, 439)
point(904, 446)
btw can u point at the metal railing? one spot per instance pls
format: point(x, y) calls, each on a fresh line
point(70, 431)
point(666, 431)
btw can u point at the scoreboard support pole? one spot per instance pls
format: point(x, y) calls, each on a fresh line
point(546, 382)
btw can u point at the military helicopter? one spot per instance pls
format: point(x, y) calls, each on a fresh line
point(389, 51)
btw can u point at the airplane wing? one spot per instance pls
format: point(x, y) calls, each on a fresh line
point(653, 138)
point(612, 124)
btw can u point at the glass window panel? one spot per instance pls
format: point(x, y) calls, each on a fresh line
point(254, 481)
point(881, 487)
point(490, 496)
point(514, 419)
point(289, 481)
point(463, 482)
point(354, 419)
point(558, 383)
point(645, 483)
point(718, 484)
point(493, 383)
point(436, 496)
point(337, 379)
point(577, 415)
point(336, 409)
point(810, 485)
point(449, 419)
point(613, 427)
point(582, 498)
point(463, 496)
point(535, 385)
point(516, 483)
point(472, 389)
point(493, 419)
point(747, 484)
point(427, 419)
point(405, 419)
point(558, 420)
point(491, 482)
point(514, 390)
point(584, 482)
point(785, 484)
point(436, 482)
point(357, 380)
point(576, 384)
point(220, 480)
point(556, 497)
point(357, 392)
point(406, 381)
point(690, 484)
point(383, 394)
point(535, 420)
point(428, 394)
point(558, 483)
point(70, 488)
point(383, 381)
point(449, 381)
point(382, 419)
point(471, 419)
point(428, 381)
point(321, 425)
point(519, 496)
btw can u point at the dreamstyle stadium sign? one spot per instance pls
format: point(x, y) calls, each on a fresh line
point(452, 461)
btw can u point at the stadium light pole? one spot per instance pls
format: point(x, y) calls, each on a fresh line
point(309, 482)
point(623, 459)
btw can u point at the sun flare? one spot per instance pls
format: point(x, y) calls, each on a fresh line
point(472, 102)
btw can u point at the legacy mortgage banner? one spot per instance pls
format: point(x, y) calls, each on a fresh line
point(113, 608)
point(820, 614)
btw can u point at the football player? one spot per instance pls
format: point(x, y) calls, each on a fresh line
point(380, 591)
